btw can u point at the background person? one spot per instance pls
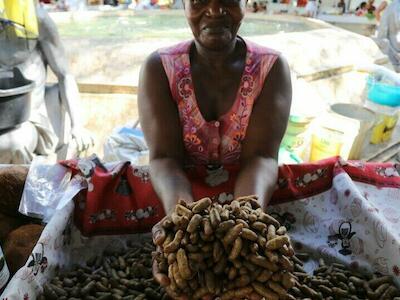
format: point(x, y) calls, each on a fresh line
point(43, 134)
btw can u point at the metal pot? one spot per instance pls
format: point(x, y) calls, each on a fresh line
point(15, 98)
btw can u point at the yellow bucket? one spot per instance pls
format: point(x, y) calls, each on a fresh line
point(23, 14)
point(325, 142)
point(383, 129)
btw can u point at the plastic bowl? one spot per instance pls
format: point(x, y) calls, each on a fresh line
point(15, 99)
point(383, 94)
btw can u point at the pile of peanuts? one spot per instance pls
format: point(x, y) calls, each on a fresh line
point(122, 275)
point(234, 251)
point(336, 281)
point(230, 251)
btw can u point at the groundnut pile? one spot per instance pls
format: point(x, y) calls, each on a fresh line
point(234, 251)
point(120, 275)
point(229, 251)
point(336, 281)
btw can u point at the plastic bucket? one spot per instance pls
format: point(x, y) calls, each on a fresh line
point(383, 129)
point(383, 94)
point(15, 99)
point(294, 138)
point(384, 100)
point(342, 131)
point(325, 142)
point(287, 157)
point(362, 119)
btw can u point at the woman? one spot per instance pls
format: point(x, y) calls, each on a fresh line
point(215, 100)
point(388, 34)
point(378, 12)
point(342, 6)
point(311, 9)
point(362, 9)
point(370, 6)
point(255, 7)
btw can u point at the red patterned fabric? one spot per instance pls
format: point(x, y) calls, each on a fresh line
point(122, 199)
point(217, 141)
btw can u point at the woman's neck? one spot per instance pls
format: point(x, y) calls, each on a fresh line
point(217, 58)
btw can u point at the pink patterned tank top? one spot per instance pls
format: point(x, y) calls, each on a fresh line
point(216, 141)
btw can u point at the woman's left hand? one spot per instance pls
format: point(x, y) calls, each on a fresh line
point(158, 239)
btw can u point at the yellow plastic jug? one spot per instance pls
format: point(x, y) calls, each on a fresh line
point(23, 14)
point(326, 142)
point(383, 129)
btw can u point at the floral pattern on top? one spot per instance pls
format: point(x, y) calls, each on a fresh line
point(218, 141)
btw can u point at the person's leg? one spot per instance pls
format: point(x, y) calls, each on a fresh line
point(314, 11)
point(308, 9)
point(394, 59)
point(17, 146)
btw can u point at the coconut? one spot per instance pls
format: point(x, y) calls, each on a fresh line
point(19, 245)
point(12, 181)
point(8, 224)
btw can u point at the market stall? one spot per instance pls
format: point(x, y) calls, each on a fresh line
point(343, 212)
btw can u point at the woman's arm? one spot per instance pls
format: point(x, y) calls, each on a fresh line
point(259, 158)
point(159, 119)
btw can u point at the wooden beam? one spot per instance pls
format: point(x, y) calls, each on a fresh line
point(95, 88)
point(385, 153)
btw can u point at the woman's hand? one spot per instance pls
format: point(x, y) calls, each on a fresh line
point(159, 236)
point(158, 239)
point(162, 279)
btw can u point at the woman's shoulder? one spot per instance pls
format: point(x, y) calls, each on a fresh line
point(161, 63)
point(155, 60)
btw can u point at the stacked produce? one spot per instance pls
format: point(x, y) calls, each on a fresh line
point(12, 180)
point(234, 251)
point(18, 233)
point(336, 281)
point(19, 245)
point(115, 275)
point(330, 282)
point(229, 251)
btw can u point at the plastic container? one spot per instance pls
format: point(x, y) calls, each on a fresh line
point(287, 157)
point(306, 106)
point(384, 99)
point(15, 98)
point(23, 15)
point(295, 134)
point(325, 142)
point(385, 124)
point(341, 131)
point(382, 92)
point(361, 120)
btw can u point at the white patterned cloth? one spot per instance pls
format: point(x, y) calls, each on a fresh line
point(352, 222)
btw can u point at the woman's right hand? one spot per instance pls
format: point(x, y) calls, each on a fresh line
point(159, 236)
point(158, 239)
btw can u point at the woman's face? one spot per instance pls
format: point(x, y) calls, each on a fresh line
point(214, 23)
